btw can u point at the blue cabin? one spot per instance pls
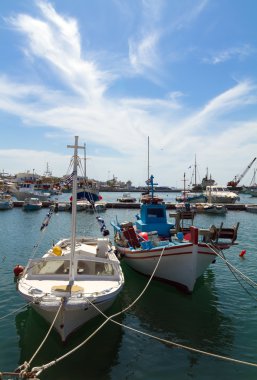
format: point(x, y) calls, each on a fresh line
point(153, 215)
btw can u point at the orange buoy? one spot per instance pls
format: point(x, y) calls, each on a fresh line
point(17, 270)
point(242, 253)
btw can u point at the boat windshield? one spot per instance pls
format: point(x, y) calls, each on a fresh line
point(155, 212)
point(61, 267)
point(49, 267)
point(95, 268)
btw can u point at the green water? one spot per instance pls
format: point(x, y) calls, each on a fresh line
point(220, 317)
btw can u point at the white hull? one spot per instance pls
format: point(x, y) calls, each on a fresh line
point(71, 317)
point(219, 194)
point(179, 265)
point(223, 199)
point(22, 195)
point(98, 278)
point(72, 273)
point(5, 205)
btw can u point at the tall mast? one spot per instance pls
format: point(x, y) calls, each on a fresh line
point(85, 162)
point(74, 207)
point(148, 169)
point(195, 170)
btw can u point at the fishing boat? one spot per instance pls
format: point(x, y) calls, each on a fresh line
point(32, 204)
point(5, 201)
point(77, 277)
point(184, 253)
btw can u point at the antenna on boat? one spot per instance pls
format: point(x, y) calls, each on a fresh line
point(74, 206)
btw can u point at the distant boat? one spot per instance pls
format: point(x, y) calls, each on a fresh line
point(210, 208)
point(220, 194)
point(6, 202)
point(126, 198)
point(28, 190)
point(77, 278)
point(189, 197)
point(32, 204)
point(83, 205)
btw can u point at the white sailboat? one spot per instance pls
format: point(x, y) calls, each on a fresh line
point(75, 278)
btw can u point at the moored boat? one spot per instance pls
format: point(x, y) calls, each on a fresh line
point(28, 190)
point(6, 202)
point(220, 194)
point(126, 198)
point(76, 279)
point(185, 254)
point(190, 197)
point(32, 204)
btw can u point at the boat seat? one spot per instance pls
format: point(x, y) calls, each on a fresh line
point(131, 237)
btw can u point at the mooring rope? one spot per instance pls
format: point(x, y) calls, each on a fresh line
point(22, 370)
point(246, 278)
point(38, 370)
point(236, 273)
point(15, 311)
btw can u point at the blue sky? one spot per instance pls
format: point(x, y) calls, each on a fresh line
point(114, 72)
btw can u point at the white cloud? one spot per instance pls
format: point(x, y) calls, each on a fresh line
point(120, 125)
point(63, 53)
point(239, 52)
point(142, 52)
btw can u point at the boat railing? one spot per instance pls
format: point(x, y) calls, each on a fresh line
point(220, 236)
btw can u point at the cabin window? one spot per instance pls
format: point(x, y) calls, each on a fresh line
point(50, 267)
point(95, 269)
point(155, 212)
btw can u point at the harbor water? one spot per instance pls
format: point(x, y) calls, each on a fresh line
point(219, 318)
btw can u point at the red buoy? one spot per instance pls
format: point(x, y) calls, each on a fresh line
point(242, 253)
point(144, 235)
point(17, 270)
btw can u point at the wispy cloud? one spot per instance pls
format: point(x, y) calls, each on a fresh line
point(84, 104)
point(187, 13)
point(142, 52)
point(239, 52)
point(143, 45)
point(63, 53)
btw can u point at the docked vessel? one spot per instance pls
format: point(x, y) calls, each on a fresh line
point(32, 204)
point(76, 279)
point(184, 254)
point(220, 194)
point(126, 198)
point(28, 190)
point(6, 202)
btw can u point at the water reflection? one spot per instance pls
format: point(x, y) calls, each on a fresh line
point(93, 361)
point(194, 320)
